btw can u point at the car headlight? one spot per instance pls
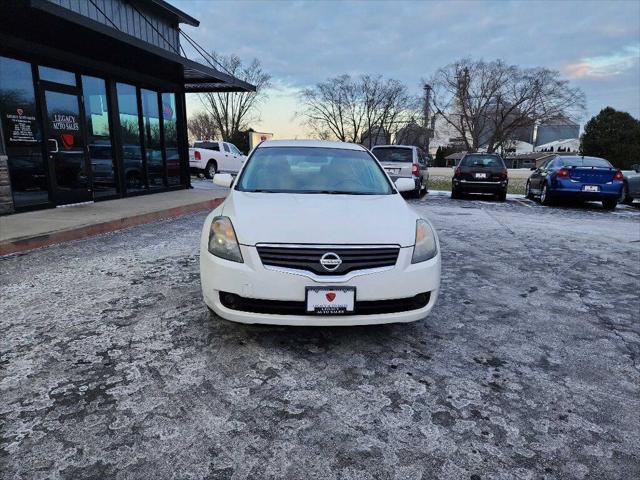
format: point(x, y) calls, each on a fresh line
point(425, 247)
point(223, 242)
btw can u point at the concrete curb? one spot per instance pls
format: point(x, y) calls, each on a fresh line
point(29, 243)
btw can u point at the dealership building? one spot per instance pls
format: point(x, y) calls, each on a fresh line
point(92, 100)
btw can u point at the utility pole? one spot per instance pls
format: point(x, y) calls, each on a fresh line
point(427, 104)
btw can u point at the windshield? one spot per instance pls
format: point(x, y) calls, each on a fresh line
point(585, 162)
point(481, 161)
point(313, 170)
point(393, 154)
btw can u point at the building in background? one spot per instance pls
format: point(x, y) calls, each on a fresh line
point(411, 134)
point(569, 145)
point(376, 135)
point(561, 128)
point(92, 100)
point(256, 137)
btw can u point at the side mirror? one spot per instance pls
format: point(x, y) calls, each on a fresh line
point(223, 180)
point(405, 184)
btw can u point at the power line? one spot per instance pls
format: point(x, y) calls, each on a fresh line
point(204, 53)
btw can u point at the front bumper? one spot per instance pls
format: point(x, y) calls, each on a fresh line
point(252, 280)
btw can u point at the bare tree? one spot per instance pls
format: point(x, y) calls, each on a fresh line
point(487, 103)
point(234, 111)
point(356, 110)
point(202, 126)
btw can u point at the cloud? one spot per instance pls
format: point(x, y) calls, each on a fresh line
point(606, 65)
point(301, 43)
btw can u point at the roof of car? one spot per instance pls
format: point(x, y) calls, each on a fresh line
point(310, 143)
point(393, 146)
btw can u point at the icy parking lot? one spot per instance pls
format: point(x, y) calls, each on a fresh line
point(112, 367)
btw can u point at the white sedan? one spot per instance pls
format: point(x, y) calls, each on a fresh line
point(316, 233)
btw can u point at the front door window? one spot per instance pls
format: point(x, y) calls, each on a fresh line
point(66, 148)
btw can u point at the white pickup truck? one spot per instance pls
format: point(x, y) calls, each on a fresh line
point(213, 156)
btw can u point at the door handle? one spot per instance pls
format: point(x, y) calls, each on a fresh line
point(54, 142)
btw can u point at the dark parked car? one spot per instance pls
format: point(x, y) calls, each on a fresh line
point(631, 188)
point(480, 173)
point(578, 178)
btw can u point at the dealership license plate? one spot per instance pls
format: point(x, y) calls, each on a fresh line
point(330, 300)
point(392, 171)
point(481, 175)
point(591, 188)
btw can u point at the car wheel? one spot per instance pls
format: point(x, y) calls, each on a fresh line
point(609, 203)
point(502, 196)
point(625, 197)
point(211, 169)
point(545, 196)
point(455, 193)
point(527, 191)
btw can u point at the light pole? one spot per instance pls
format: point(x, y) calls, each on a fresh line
point(427, 102)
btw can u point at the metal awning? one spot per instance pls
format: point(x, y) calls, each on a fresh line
point(201, 78)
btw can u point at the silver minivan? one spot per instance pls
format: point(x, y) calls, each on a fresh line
point(404, 161)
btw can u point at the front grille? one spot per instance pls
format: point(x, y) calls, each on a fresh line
point(281, 307)
point(308, 258)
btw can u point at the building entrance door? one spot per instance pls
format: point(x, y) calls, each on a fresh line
point(66, 146)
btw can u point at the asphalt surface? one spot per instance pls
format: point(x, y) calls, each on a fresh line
point(528, 367)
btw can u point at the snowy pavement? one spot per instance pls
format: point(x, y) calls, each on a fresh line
point(528, 367)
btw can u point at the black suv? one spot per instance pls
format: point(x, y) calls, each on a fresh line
point(480, 173)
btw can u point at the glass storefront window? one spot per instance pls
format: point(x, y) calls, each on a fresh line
point(105, 179)
point(152, 145)
point(134, 174)
point(22, 134)
point(171, 138)
point(58, 76)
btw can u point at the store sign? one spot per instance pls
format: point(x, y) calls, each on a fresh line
point(21, 127)
point(64, 122)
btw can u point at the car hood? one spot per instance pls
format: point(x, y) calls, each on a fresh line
point(320, 219)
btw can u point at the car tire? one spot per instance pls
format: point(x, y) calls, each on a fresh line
point(609, 204)
point(455, 193)
point(211, 169)
point(502, 196)
point(527, 191)
point(545, 196)
point(625, 197)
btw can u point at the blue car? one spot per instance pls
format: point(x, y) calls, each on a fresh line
point(578, 178)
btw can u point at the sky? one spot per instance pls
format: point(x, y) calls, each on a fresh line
point(594, 44)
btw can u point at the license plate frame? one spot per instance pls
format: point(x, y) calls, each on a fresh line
point(591, 188)
point(393, 171)
point(481, 176)
point(315, 306)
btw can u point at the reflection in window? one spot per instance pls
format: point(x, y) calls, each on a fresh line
point(130, 135)
point(22, 134)
point(58, 76)
point(99, 137)
point(171, 138)
point(151, 117)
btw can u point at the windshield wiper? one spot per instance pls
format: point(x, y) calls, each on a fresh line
point(260, 190)
point(339, 192)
